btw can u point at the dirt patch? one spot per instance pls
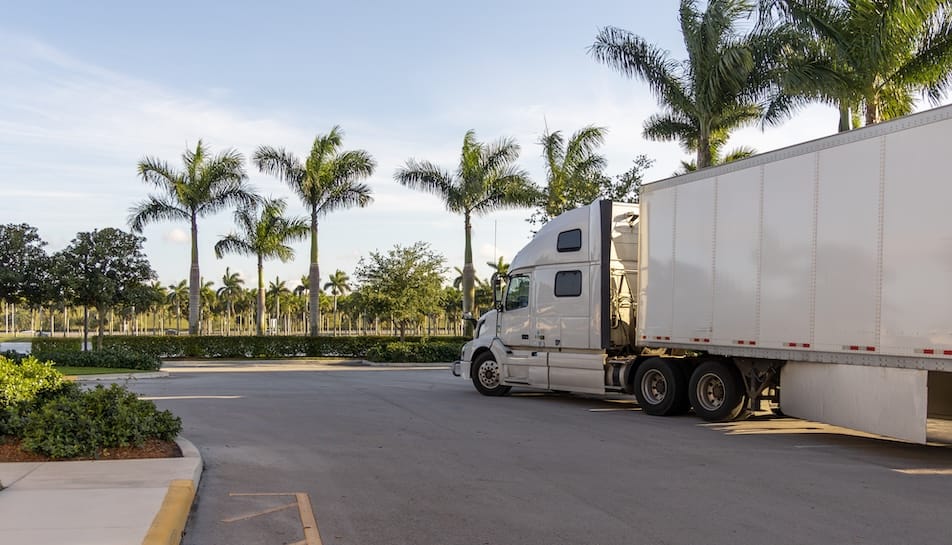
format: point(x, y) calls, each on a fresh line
point(10, 451)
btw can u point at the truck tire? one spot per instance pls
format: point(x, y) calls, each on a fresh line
point(661, 388)
point(486, 376)
point(717, 392)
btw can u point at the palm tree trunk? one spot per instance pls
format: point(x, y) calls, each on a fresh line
point(314, 280)
point(85, 327)
point(704, 155)
point(845, 117)
point(873, 114)
point(469, 271)
point(259, 323)
point(194, 278)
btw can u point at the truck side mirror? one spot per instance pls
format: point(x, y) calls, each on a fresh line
point(498, 286)
point(468, 317)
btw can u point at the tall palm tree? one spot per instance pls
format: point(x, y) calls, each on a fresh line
point(485, 180)
point(266, 236)
point(230, 291)
point(573, 169)
point(868, 56)
point(277, 289)
point(178, 293)
point(208, 184)
point(328, 180)
point(338, 284)
point(725, 83)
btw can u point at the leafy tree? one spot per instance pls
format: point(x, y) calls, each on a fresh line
point(869, 56)
point(405, 283)
point(23, 264)
point(230, 291)
point(485, 180)
point(208, 184)
point(724, 84)
point(328, 180)
point(573, 171)
point(626, 187)
point(265, 236)
point(104, 269)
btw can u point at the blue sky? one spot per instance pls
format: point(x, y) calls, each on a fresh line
point(89, 89)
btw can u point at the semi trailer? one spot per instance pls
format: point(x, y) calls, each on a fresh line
point(816, 278)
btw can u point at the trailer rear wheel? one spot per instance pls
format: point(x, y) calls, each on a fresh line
point(717, 392)
point(486, 376)
point(661, 388)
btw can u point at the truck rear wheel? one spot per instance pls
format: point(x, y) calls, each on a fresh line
point(486, 376)
point(717, 392)
point(661, 388)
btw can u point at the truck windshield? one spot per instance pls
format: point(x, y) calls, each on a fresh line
point(517, 294)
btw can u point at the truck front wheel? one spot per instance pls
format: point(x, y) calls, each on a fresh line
point(661, 388)
point(717, 392)
point(486, 376)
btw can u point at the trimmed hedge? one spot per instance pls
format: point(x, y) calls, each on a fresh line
point(439, 349)
point(421, 352)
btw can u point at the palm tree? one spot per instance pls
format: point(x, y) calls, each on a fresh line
point(207, 185)
point(177, 294)
point(868, 55)
point(573, 169)
point(265, 236)
point(338, 283)
point(159, 295)
point(736, 154)
point(276, 289)
point(485, 180)
point(208, 299)
point(230, 291)
point(500, 266)
point(328, 180)
point(303, 290)
point(723, 84)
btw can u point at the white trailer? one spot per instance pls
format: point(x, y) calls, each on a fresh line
point(818, 276)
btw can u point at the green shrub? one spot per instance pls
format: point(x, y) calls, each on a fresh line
point(80, 423)
point(61, 428)
point(111, 358)
point(27, 380)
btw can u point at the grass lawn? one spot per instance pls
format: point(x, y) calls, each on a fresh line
point(66, 370)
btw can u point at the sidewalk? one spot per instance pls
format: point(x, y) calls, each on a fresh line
point(104, 502)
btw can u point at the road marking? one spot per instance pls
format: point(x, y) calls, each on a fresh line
point(312, 535)
point(925, 471)
point(259, 513)
point(163, 398)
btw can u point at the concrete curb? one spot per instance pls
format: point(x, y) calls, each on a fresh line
point(119, 376)
point(168, 526)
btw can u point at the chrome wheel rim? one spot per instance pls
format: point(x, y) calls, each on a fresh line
point(654, 387)
point(488, 374)
point(710, 392)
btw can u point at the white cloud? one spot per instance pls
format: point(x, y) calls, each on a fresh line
point(176, 236)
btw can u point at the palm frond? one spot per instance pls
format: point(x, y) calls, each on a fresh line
point(155, 209)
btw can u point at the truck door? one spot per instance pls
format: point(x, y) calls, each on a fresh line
point(525, 361)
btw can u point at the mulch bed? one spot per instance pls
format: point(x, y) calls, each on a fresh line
point(10, 451)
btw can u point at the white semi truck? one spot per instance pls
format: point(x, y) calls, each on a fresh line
point(817, 277)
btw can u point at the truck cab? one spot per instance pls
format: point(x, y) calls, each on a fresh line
point(568, 305)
